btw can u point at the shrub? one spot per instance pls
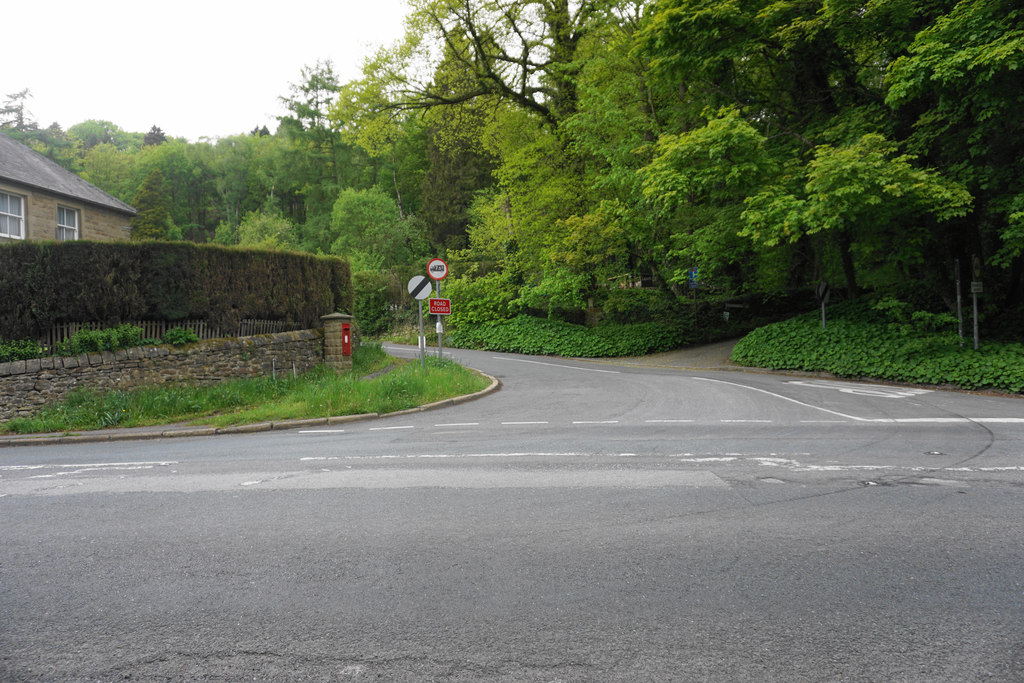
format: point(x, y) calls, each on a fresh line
point(177, 336)
point(856, 344)
point(19, 349)
point(85, 341)
point(524, 334)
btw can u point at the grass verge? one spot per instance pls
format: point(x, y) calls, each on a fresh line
point(319, 393)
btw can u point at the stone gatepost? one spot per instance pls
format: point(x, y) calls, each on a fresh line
point(338, 341)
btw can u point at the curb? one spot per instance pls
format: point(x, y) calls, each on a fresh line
point(145, 433)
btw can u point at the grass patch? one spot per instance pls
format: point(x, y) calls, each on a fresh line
point(318, 393)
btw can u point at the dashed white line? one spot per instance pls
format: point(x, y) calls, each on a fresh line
point(458, 424)
point(756, 421)
point(525, 423)
point(596, 422)
point(385, 429)
point(667, 421)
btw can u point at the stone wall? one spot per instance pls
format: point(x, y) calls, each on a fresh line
point(29, 385)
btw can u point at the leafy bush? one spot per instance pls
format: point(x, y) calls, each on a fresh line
point(635, 305)
point(524, 334)
point(177, 336)
point(86, 341)
point(19, 349)
point(481, 300)
point(856, 344)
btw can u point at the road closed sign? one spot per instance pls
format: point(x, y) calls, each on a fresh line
point(440, 306)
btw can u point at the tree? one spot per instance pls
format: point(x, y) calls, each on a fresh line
point(959, 90)
point(154, 217)
point(155, 136)
point(14, 115)
point(367, 229)
point(521, 51)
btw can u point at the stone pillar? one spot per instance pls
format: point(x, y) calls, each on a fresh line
point(334, 325)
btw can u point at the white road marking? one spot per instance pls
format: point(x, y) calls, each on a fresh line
point(525, 423)
point(666, 421)
point(875, 420)
point(91, 465)
point(556, 365)
point(596, 422)
point(321, 431)
point(758, 421)
point(458, 424)
point(880, 390)
point(385, 429)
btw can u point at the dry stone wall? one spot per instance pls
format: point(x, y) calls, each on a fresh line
point(29, 385)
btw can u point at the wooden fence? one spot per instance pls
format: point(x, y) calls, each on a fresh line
point(154, 329)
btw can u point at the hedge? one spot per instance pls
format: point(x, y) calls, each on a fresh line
point(45, 283)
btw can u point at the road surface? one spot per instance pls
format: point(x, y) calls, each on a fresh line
point(589, 522)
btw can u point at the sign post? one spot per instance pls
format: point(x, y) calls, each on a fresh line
point(822, 292)
point(976, 289)
point(419, 288)
point(437, 269)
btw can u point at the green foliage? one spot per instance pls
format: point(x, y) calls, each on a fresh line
point(19, 349)
point(107, 283)
point(636, 305)
point(153, 217)
point(480, 300)
point(857, 344)
point(264, 231)
point(318, 393)
point(524, 334)
point(178, 336)
point(367, 228)
point(85, 341)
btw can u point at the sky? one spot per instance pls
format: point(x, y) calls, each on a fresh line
point(194, 68)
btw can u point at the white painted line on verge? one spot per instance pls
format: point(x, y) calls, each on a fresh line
point(556, 365)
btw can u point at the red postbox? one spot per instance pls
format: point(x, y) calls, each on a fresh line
point(346, 339)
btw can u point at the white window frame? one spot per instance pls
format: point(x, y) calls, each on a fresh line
point(66, 231)
point(7, 218)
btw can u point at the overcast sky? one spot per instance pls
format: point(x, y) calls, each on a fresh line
point(195, 68)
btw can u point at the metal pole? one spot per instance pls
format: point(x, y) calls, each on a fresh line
point(959, 303)
point(822, 314)
point(440, 327)
point(974, 295)
point(422, 341)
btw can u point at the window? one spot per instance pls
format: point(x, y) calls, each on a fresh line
point(12, 216)
point(67, 224)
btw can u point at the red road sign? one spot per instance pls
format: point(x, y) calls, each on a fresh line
point(437, 269)
point(440, 306)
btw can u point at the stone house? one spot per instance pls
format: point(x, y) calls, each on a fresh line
point(40, 200)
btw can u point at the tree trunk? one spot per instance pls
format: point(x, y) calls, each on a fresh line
point(846, 259)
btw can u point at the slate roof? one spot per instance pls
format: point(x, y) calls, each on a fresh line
point(24, 166)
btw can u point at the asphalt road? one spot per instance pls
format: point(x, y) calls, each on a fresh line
point(588, 522)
